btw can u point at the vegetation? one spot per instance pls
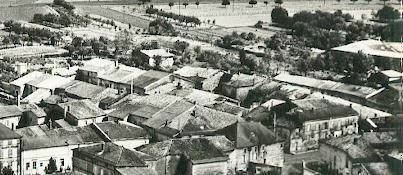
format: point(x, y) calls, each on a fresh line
point(64, 4)
point(161, 27)
point(171, 4)
point(7, 171)
point(252, 2)
point(225, 3)
point(185, 4)
point(51, 168)
point(387, 13)
point(169, 15)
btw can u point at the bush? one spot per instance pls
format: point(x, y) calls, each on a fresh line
point(279, 15)
point(387, 13)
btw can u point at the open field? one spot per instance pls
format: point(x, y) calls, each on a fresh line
point(25, 13)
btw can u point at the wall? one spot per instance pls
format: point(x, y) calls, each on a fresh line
point(11, 122)
point(265, 154)
point(338, 160)
point(307, 138)
point(215, 168)
point(6, 159)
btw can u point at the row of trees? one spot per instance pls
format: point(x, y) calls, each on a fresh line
point(63, 4)
point(52, 19)
point(228, 41)
point(180, 18)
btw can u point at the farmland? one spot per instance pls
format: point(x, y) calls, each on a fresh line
point(25, 12)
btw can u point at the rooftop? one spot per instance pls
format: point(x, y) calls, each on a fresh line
point(373, 47)
point(113, 154)
point(378, 168)
point(243, 80)
point(121, 131)
point(26, 78)
point(37, 96)
point(97, 65)
point(136, 171)
point(83, 109)
point(9, 111)
point(37, 137)
point(47, 81)
point(121, 74)
point(249, 134)
point(6, 133)
point(148, 78)
point(381, 137)
point(188, 71)
point(391, 73)
point(198, 150)
point(157, 52)
point(355, 146)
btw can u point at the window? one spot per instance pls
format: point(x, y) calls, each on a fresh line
point(27, 166)
point(10, 153)
point(62, 162)
point(34, 164)
point(41, 164)
point(10, 142)
point(346, 163)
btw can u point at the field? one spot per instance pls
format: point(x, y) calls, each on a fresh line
point(25, 13)
point(242, 14)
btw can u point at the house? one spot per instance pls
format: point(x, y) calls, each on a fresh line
point(394, 159)
point(65, 72)
point(10, 116)
point(92, 68)
point(18, 85)
point(386, 54)
point(39, 144)
point(254, 143)
point(82, 90)
point(206, 79)
point(109, 158)
point(186, 119)
point(9, 149)
point(239, 85)
point(201, 97)
point(118, 77)
point(166, 58)
point(123, 134)
point(32, 115)
point(148, 81)
point(187, 156)
point(373, 168)
point(343, 154)
point(354, 93)
point(81, 112)
point(133, 113)
point(311, 120)
point(46, 82)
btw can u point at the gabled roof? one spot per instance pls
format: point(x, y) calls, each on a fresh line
point(83, 109)
point(148, 78)
point(157, 52)
point(197, 150)
point(37, 96)
point(97, 65)
point(168, 113)
point(26, 78)
point(9, 111)
point(37, 137)
point(373, 47)
point(6, 133)
point(121, 74)
point(82, 89)
point(249, 134)
point(121, 131)
point(38, 111)
point(47, 81)
point(113, 154)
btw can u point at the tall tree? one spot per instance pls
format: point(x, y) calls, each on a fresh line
point(225, 3)
point(197, 4)
point(353, 1)
point(7, 171)
point(384, 2)
point(279, 2)
point(185, 4)
point(368, 1)
point(266, 2)
point(51, 168)
point(171, 4)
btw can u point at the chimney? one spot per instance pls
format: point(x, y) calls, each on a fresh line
point(351, 105)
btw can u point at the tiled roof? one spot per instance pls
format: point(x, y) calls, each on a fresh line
point(248, 134)
point(195, 149)
point(97, 65)
point(148, 78)
point(26, 78)
point(381, 137)
point(120, 131)
point(83, 109)
point(188, 71)
point(355, 146)
point(243, 80)
point(82, 89)
point(121, 74)
point(6, 133)
point(157, 52)
point(378, 168)
point(168, 113)
point(47, 81)
point(37, 96)
point(36, 137)
point(373, 47)
point(9, 111)
point(38, 111)
point(113, 154)
point(136, 171)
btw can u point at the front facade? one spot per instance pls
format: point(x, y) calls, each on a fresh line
point(307, 137)
point(9, 149)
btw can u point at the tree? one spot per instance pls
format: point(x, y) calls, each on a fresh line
point(7, 171)
point(181, 46)
point(185, 4)
point(279, 2)
point(338, 1)
point(353, 1)
point(279, 15)
point(171, 4)
point(368, 1)
point(197, 4)
point(6, 41)
point(266, 2)
point(51, 168)
point(144, 1)
point(387, 13)
point(252, 2)
point(225, 3)
point(384, 2)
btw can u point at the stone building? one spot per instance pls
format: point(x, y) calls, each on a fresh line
point(9, 149)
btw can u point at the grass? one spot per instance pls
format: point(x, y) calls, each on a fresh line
point(25, 13)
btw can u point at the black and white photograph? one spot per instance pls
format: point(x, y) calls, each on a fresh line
point(201, 87)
